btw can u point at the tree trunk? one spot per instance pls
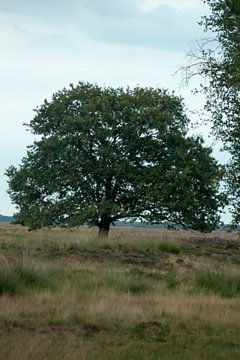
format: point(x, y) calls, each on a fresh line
point(104, 227)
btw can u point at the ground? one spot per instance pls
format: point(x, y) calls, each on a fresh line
point(140, 294)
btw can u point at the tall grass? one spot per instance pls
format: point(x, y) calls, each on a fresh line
point(110, 279)
point(126, 245)
point(107, 309)
point(219, 283)
point(17, 278)
point(18, 238)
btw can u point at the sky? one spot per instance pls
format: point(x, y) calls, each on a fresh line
point(48, 44)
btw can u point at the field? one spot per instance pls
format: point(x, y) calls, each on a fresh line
point(140, 294)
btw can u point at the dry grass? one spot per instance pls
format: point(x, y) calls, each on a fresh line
point(10, 231)
point(108, 309)
point(121, 298)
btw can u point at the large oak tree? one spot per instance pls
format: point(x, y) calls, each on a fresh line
point(105, 154)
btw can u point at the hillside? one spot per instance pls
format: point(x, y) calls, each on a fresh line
point(141, 294)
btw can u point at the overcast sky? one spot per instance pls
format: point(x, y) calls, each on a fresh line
point(48, 44)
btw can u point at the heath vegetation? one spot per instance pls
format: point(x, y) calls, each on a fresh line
point(140, 294)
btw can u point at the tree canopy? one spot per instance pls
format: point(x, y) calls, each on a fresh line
point(221, 66)
point(105, 154)
point(218, 61)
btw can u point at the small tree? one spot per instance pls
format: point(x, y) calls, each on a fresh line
point(107, 154)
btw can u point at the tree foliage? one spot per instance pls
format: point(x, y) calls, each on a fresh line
point(105, 154)
point(217, 59)
point(221, 66)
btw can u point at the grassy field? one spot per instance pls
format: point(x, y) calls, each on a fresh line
point(141, 294)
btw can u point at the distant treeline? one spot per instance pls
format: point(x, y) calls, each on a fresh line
point(167, 225)
point(6, 219)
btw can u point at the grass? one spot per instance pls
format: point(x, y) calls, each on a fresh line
point(66, 295)
point(18, 238)
point(169, 247)
point(140, 246)
point(113, 279)
point(219, 283)
point(17, 278)
point(9, 283)
point(173, 281)
point(125, 282)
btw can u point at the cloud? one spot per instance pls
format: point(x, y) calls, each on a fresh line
point(161, 28)
point(108, 8)
point(179, 5)
point(147, 23)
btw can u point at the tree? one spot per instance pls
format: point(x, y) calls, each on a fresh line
point(107, 154)
point(217, 59)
